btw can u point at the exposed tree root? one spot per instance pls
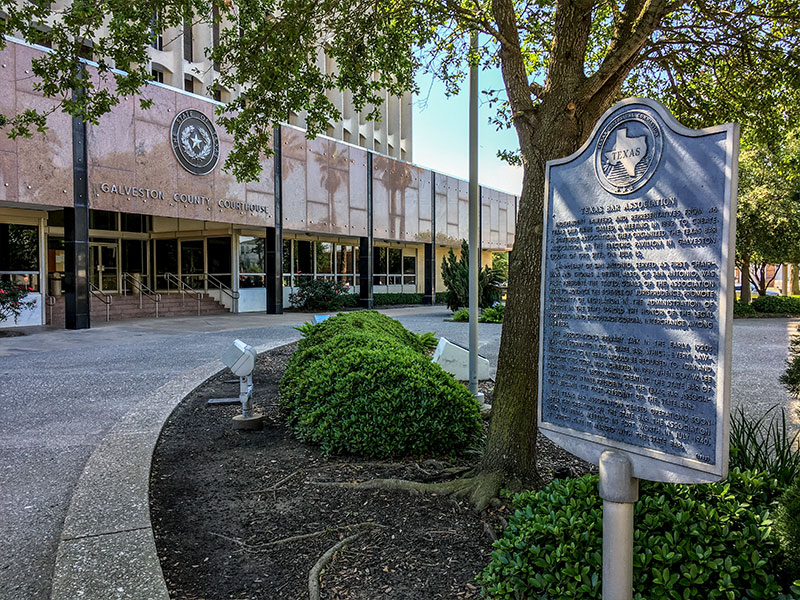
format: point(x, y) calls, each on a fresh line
point(325, 559)
point(297, 538)
point(478, 489)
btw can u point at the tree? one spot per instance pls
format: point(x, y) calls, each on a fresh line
point(768, 220)
point(564, 63)
point(455, 273)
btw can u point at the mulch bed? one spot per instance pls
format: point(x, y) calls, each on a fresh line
point(241, 515)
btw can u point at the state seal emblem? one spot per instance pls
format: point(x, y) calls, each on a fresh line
point(194, 142)
point(628, 152)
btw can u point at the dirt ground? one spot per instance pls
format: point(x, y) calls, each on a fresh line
point(247, 515)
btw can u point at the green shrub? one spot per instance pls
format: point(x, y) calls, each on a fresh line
point(762, 445)
point(777, 304)
point(493, 314)
point(391, 299)
point(743, 309)
point(690, 542)
point(787, 526)
point(461, 316)
point(319, 294)
point(455, 273)
point(791, 377)
point(428, 340)
point(373, 396)
point(362, 321)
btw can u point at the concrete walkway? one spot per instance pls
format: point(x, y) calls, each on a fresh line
point(80, 412)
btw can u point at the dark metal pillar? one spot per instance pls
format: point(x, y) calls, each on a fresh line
point(274, 241)
point(365, 256)
point(430, 251)
point(76, 236)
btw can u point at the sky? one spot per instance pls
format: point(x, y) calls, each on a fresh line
point(440, 134)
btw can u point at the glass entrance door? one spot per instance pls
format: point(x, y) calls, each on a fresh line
point(166, 261)
point(104, 267)
point(193, 263)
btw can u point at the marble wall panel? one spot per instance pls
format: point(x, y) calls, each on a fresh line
point(156, 165)
point(111, 143)
point(162, 112)
point(441, 211)
point(45, 162)
point(226, 186)
point(424, 231)
point(8, 97)
point(9, 186)
point(358, 222)
point(293, 170)
point(358, 180)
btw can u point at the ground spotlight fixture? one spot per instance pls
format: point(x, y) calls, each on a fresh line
point(241, 359)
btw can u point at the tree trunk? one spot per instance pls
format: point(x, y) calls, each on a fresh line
point(511, 443)
point(745, 295)
point(795, 270)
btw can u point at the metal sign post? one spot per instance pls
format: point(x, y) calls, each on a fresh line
point(637, 310)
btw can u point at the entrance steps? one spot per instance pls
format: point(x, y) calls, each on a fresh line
point(127, 307)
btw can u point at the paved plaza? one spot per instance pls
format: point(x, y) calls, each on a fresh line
point(67, 396)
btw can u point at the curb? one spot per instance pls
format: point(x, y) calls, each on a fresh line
point(106, 549)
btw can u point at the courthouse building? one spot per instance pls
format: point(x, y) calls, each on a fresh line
point(114, 220)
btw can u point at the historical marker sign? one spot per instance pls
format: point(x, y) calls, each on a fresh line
point(637, 294)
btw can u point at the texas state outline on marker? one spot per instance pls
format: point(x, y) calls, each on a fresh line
point(628, 151)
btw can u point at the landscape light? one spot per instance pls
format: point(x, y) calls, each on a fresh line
point(241, 359)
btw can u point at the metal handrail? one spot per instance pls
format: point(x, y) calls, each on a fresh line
point(211, 280)
point(50, 301)
point(184, 288)
point(143, 290)
point(104, 298)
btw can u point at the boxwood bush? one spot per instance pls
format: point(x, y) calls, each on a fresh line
point(360, 384)
point(777, 304)
point(690, 542)
point(742, 309)
point(370, 322)
point(787, 526)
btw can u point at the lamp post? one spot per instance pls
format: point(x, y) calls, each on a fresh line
point(474, 218)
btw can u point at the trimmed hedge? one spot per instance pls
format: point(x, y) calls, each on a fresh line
point(777, 304)
point(359, 383)
point(370, 322)
point(742, 309)
point(787, 526)
point(690, 542)
point(391, 299)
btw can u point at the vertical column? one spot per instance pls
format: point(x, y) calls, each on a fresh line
point(430, 251)
point(365, 257)
point(274, 241)
point(76, 235)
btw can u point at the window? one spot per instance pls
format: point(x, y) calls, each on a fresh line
point(390, 265)
point(134, 223)
point(218, 250)
point(103, 219)
point(409, 270)
point(251, 262)
point(85, 52)
point(380, 266)
point(158, 75)
point(157, 42)
point(324, 258)
point(19, 254)
point(188, 83)
point(303, 261)
point(188, 42)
